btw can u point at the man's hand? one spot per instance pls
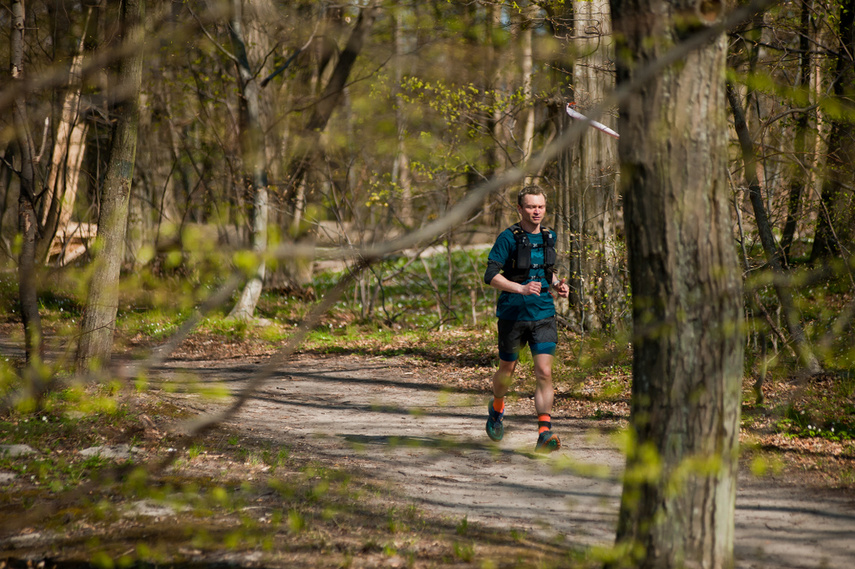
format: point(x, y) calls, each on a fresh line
point(562, 288)
point(532, 287)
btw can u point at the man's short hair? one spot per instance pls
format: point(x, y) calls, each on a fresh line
point(532, 190)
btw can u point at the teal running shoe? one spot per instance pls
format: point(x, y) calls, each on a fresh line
point(495, 428)
point(547, 441)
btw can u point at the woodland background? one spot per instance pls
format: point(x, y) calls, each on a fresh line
point(351, 162)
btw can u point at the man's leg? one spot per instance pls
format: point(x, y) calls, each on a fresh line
point(543, 391)
point(503, 378)
point(496, 408)
point(509, 349)
point(547, 441)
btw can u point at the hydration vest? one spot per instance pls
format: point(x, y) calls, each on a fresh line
point(520, 265)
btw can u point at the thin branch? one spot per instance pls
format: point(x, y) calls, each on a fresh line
point(208, 35)
point(285, 65)
point(56, 76)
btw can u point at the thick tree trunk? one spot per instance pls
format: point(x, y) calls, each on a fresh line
point(27, 220)
point(102, 302)
point(680, 484)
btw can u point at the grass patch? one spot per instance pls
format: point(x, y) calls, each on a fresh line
point(824, 408)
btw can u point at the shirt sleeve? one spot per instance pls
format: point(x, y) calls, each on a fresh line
point(493, 269)
point(499, 255)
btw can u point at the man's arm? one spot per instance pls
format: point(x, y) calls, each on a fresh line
point(493, 277)
point(501, 283)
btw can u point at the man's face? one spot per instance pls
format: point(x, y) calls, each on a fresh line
point(533, 209)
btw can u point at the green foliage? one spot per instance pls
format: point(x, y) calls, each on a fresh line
point(228, 329)
point(63, 305)
point(455, 123)
point(152, 324)
point(818, 415)
point(464, 551)
point(442, 117)
point(821, 303)
point(463, 526)
point(55, 473)
point(296, 522)
point(764, 465)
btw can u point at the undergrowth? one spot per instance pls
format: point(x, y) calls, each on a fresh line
point(225, 496)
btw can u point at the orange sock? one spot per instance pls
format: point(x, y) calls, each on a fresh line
point(499, 404)
point(544, 423)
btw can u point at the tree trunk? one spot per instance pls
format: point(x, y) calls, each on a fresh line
point(680, 485)
point(401, 177)
point(27, 220)
point(835, 231)
point(594, 275)
point(799, 169)
point(526, 62)
point(501, 205)
point(562, 23)
point(252, 149)
point(332, 94)
point(767, 238)
point(102, 302)
point(70, 143)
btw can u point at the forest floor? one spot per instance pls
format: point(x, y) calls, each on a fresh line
point(379, 459)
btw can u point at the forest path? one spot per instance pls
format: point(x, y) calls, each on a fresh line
point(380, 415)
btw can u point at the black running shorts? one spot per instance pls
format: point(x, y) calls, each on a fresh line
point(540, 335)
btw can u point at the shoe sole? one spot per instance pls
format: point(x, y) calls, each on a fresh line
point(551, 444)
point(494, 437)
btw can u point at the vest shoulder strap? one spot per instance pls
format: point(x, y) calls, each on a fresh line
point(545, 232)
point(547, 235)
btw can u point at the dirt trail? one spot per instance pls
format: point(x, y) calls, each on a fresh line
point(381, 416)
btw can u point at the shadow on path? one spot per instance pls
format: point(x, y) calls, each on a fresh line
point(430, 443)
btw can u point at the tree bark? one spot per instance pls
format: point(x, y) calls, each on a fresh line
point(67, 158)
point(102, 302)
point(680, 484)
point(401, 177)
point(252, 149)
point(527, 64)
point(561, 21)
point(594, 278)
point(835, 231)
point(27, 220)
point(799, 169)
point(501, 206)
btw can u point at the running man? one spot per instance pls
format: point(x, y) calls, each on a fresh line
point(521, 265)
